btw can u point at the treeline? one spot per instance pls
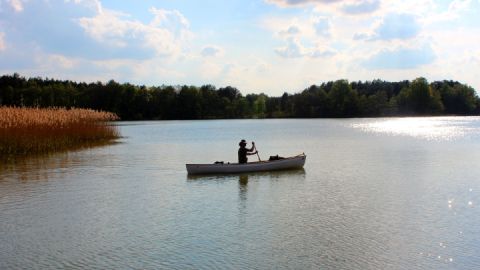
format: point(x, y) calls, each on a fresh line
point(331, 99)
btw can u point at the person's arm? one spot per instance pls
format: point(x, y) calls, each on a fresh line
point(251, 149)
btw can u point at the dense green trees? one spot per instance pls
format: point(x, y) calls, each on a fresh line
point(420, 98)
point(331, 99)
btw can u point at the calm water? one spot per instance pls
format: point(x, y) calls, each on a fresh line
point(398, 193)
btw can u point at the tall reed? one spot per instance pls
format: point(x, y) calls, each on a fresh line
point(25, 131)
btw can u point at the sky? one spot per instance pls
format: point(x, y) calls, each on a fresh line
point(269, 46)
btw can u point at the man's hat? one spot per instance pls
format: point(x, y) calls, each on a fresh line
point(242, 142)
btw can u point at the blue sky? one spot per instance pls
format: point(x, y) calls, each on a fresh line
point(269, 46)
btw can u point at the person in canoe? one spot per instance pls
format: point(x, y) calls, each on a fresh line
point(243, 151)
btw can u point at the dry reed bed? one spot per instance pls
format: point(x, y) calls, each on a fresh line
point(25, 131)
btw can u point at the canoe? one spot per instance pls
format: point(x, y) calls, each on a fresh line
point(289, 163)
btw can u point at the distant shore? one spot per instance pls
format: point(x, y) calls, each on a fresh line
point(333, 99)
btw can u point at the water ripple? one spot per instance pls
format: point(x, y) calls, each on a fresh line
point(364, 200)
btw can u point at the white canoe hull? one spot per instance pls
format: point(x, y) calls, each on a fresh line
point(295, 162)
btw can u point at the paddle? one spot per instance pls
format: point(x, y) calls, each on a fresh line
point(256, 151)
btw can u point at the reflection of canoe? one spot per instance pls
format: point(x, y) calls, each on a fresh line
point(295, 162)
point(272, 175)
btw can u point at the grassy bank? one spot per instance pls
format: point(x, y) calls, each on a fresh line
point(29, 131)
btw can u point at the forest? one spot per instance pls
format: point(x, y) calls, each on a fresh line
point(332, 99)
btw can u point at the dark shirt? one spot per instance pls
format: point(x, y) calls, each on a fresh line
point(242, 155)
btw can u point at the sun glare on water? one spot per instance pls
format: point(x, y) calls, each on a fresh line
point(429, 128)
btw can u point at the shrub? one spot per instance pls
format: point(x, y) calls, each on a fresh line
point(25, 131)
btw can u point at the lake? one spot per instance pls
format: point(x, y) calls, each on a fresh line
point(379, 193)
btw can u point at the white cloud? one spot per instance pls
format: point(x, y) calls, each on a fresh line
point(393, 26)
point(293, 49)
point(459, 59)
point(146, 71)
point(362, 36)
point(416, 7)
point(172, 20)
point(322, 26)
point(350, 7)
point(79, 39)
point(287, 3)
point(142, 72)
point(54, 26)
point(300, 36)
point(311, 28)
point(94, 5)
point(166, 34)
point(404, 47)
point(211, 51)
point(292, 30)
point(211, 70)
point(455, 10)
point(3, 45)
point(361, 7)
point(58, 61)
point(234, 73)
point(459, 5)
point(321, 53)
point(17, 5)
point(401, 58)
